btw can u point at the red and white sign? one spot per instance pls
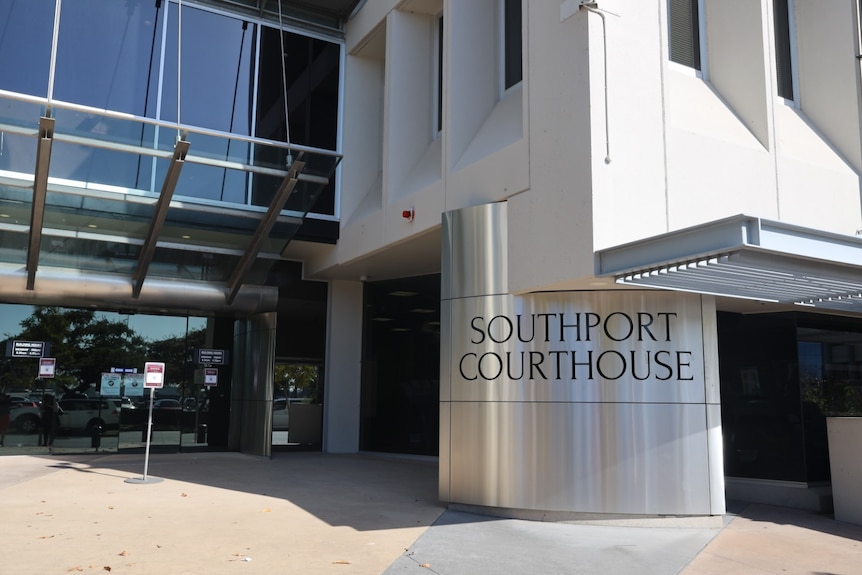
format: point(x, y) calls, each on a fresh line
point(210, 376)
point(154, 375)
point(46, 366)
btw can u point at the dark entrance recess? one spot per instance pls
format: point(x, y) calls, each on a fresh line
point(781, 376)
point(401, 366)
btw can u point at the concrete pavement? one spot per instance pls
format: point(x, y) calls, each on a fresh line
point(309, 513)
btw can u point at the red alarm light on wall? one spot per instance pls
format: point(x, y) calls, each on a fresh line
point(408, 214)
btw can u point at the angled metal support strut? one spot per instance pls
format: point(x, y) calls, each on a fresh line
point(263, 228)
point(40, 191)
point(168, 187)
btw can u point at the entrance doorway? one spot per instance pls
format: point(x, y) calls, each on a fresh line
point(297, 406)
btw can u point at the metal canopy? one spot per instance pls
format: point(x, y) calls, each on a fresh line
point(107, 216)
point(158, 221)
point(263, 229)
point(40, 191)
point(745, 257)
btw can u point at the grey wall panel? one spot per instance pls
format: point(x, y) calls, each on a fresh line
point(581, 457)
point(475, 241)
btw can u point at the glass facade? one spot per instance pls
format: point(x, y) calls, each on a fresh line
point(93, 398)
point(94, 121)
point(124, 82)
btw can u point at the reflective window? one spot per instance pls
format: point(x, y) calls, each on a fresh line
point(89, 404)
point(216, 69)
point(108, 55)
point(26, 29)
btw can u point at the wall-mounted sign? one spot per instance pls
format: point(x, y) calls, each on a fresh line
point(134, 385)
point(111, 384)
point(46, 367)
point(211, 356)
point(124, 370)
point(17, 348)
point(154, 375)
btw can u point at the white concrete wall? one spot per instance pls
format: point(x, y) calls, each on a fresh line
point(596, 147)
point(343, 367)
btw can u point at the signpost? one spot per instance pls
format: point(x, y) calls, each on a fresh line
point(46, 367)
point(210, 376)
point(154, 378)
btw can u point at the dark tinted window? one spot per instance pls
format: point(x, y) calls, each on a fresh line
point(512, 48)
point(783, 66)
point(684, 32)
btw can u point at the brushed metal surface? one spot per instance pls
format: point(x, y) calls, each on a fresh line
point(484, 337)
point(474, 258)
point(253, 377)
point(579, 457)
point(593, 402)
point(75, 288)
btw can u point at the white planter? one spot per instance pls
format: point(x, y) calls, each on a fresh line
point(845, 461)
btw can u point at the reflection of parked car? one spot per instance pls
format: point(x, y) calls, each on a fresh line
point(167, 404)
point(280, 414)
point(24, 414)
point(84, 414)
point(126, 403)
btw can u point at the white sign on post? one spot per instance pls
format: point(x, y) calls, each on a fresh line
point(210, 376)
point(154, 375)
point(46, 366)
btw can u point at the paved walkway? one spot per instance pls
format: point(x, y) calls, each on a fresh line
point(309, 513)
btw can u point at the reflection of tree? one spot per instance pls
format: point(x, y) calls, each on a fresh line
point(83, 346)
point(832, 397)
point(176, 353)
point(297, 380)
point(86, 346)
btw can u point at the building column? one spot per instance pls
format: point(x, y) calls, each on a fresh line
point(343, 370)
point(252, 385)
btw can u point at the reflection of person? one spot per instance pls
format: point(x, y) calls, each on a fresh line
point(50, 415)
point(5, 409)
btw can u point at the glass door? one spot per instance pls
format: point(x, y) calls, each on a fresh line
point(297, 406)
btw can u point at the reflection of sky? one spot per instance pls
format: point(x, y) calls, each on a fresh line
point(150, 327)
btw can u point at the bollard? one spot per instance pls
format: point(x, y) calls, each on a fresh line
point(96, 436)
point(201, 434)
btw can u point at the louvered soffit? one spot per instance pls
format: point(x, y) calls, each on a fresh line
point(745, 257)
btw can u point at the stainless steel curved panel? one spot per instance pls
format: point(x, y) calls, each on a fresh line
point(575, 346)
point(252, 379)
point(474, 260)
point(595, 402)
point(75, 288)
point(576, 457)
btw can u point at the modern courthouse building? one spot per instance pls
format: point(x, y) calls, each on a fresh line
point(598, 257)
